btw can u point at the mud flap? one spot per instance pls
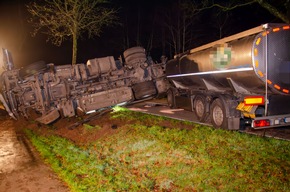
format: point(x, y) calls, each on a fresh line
point(233, 123)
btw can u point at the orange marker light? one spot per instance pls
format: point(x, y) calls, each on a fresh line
point(277, 86)
point(257, 63)
point(285, 90)
point(256, 52)
point(260, 73)
point(286, 27)
point(265, 33)
point(276, 29)
point(258, 41)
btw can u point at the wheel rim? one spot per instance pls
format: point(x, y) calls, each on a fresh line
point(199, 107)
point(218, 115)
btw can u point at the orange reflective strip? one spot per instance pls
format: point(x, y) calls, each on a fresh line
point(276, 29)
point(254, 100)
point(256, 52)
point(265, 33)
point(269, 82)
point(257, 63)
point(258, 41)
point(286, 27)
point(285, 90)
point(260, 73)
point(277, 86)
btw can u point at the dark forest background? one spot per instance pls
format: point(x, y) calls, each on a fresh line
point(163, 27)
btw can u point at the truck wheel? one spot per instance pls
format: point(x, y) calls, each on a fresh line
point(144, 89)
point(32, 68)
point(218, 114)
point(134, 53)
point(200, 107)
point(171, 98)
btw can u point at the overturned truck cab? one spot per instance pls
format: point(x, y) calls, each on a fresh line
point(64, 90)
point(241, 80)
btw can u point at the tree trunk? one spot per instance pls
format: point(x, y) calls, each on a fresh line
point(74, 49)
point(183, 33)
point(138, 28)
point(287, 5)
point(163, 41)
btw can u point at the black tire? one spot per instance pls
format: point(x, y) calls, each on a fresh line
point(137, 56)
point(218, 114)
point(134, 53)
point(144, 90)
point(32, 69)
point(133, 50)
point(171, 98)
point(199, 106)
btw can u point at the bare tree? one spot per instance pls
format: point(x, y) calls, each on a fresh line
point(220, 20)
point(70, 19)
point(177, 22)
point(282, 13)
point(278, 8)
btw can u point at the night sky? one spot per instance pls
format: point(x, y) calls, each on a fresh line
point(15, 31)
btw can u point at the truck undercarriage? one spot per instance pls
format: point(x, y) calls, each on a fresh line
point(63, 91)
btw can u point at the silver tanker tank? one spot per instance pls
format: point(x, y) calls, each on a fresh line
point(243, 77)
point(251, 59)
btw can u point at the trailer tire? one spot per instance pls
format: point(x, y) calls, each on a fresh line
point(144, 90)
point(200, 107)
point(171, 98)
point(218, 114)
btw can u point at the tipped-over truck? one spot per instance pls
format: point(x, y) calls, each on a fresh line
point(66, 90)
point(239, 81)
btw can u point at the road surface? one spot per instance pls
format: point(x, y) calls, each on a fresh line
point(21, 169)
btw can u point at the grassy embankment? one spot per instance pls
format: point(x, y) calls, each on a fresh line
point(155, 158)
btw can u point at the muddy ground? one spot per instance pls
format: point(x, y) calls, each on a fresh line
point(21, 167)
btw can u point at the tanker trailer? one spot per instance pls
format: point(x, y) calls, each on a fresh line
point(241, 80)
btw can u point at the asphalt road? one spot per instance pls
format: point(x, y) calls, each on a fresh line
point(159, 107)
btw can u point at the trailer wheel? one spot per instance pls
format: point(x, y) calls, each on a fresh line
point(200, 107)
point(144, 89)
point(218, 114)
point(171, 98)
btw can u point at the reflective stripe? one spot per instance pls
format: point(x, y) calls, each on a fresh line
point(212, 72)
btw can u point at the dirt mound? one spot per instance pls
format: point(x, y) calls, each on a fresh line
point(83, 133)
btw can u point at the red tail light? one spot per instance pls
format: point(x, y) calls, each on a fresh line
point(261, 123)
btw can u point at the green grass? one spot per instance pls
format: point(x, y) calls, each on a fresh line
point(155, 158)
point(91, 127)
